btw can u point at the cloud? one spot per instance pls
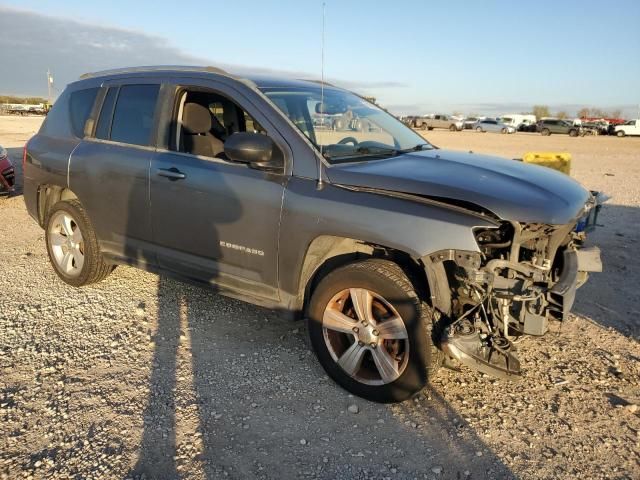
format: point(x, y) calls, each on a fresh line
point(31, 43)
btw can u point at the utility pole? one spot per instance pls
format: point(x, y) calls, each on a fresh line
point(49, 85)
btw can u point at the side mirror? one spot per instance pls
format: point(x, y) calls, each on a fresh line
point(256, 149)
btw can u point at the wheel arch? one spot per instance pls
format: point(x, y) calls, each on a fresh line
point(328, 252)
point(48, 196)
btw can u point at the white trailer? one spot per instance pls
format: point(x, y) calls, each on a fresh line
point(515, 120)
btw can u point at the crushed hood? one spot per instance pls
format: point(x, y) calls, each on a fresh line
point(510, 189)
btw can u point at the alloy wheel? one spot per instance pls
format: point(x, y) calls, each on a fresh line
point(66, 243)
point(366, 336)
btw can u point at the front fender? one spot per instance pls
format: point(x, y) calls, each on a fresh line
point(407, 225)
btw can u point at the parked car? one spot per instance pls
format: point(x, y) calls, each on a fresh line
point(491, 125)
point(414, 121)
point(442, 121)
point(7, 172)
point(548, 126)
point(632, 127)
point(469, 123)
point(370, 236)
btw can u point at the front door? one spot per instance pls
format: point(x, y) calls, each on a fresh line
point(213, 219)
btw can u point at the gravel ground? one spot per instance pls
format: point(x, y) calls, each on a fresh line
point(144, 376)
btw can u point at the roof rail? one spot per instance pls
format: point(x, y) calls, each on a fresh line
point(154, 68)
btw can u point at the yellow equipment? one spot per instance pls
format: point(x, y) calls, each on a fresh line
point(555, 160)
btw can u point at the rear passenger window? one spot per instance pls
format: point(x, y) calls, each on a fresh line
point(133, 116)
point(80, 104)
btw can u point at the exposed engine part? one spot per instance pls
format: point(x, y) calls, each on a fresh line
point(524, 276)
point(493, 355)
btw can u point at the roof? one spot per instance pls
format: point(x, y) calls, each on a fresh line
point(274, 81)
point(152, 69)
point(259, 80)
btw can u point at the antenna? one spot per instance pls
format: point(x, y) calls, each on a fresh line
point(320, 182)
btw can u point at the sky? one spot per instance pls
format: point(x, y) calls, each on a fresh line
point(415, 57)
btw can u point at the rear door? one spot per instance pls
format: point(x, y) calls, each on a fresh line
point(109, 170)
point(213, 219)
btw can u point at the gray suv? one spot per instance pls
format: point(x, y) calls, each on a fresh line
point(398, 253)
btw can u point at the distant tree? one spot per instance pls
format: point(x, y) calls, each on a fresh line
point(598, 112)
point(14, 99)
point(562, 114)
point(584, 112)
point(617, 113)
point(541, 111)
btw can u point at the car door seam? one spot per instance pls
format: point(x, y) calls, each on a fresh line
point(69, 164)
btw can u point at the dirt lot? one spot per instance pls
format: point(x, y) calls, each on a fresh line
point(143, 376)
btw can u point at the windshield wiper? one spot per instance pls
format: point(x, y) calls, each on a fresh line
point(363, 152)
point(417, 148)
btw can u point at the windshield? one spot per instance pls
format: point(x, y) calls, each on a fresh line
point(344, 127)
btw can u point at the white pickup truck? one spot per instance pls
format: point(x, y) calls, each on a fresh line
point(632, 127)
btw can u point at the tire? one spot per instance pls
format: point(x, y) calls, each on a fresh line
point(87, 265)
point(573, 133)
point(429, 128)
point(423, 126)
point(545, 132)
point(478, 129)
point(503, 131)
point(415, 357)
point(452, 128)
point(620, 133)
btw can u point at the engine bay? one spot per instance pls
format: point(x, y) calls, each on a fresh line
point(524, 276)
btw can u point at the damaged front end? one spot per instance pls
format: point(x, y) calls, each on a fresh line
point(523, 276)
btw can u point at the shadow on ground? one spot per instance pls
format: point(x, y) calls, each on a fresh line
point(263, 408)
point(612, 298)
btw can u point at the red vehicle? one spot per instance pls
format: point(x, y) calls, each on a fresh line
point(7, 172)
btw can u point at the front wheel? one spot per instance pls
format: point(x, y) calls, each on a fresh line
point(546, 132)
point(573, 133)
point(478, 129)
point(452, 128)
point(72, 245)
point(504, 130)
point(371, 332)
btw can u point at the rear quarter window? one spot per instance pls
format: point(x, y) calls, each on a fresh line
point(80, 105)
point(56, 124)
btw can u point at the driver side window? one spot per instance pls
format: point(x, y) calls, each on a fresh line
point(204, 120)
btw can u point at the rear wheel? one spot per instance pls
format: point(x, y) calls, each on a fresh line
point(504, 130)
point(371, 333)
point(72, 245)
point(620, 133)
point(545, 132)
point(478, 129)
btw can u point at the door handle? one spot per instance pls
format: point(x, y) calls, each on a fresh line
point(171, 173)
